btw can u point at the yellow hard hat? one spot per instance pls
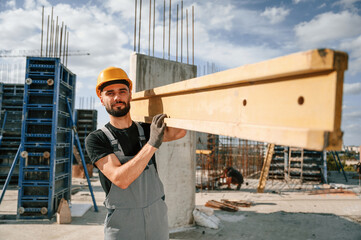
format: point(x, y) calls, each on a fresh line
point(111, 74)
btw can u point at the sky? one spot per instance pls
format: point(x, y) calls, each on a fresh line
point(228, 34)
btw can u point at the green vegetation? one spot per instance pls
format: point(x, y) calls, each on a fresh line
point(331, 165)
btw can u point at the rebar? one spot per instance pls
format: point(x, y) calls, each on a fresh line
point(163, 28)
point(187, 35)
point(61, 38)
point(47, 38)
point(170, 21)
point(42, 30)
point(153, 24)
point(140, 24)
point(193, 35)
point(150, 24)
point(181, 31)
point(64, 44)
point(135, 25)
point(176, 51)
point(67, 49)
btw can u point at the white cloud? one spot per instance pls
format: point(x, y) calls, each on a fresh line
point(29, 4)
point(353, 115)
point(352, 88)
point(347, 4)
point(322, 6)
point(275, 14)
point(11, 4)
point(126, 8)
point(353, 46)
point(326, 28)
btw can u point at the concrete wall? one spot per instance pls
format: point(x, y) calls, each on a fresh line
point(175, 160)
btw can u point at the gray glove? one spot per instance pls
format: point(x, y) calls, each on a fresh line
point(157, 130)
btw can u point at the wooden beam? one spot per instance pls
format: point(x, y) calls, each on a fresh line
point(294, 100)
point(265, 168)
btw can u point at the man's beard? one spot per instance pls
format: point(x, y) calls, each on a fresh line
point(118, 112)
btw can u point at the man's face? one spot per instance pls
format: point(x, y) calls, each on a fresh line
point(116, 99)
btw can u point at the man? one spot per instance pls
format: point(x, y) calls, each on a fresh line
point(123, 151)
point(233, 176)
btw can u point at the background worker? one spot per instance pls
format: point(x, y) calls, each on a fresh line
point(233, 176)
point(123, 151)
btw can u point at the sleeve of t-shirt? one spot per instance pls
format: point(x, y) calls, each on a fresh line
point(97, 146)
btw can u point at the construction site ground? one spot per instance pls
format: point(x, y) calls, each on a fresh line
point(284, 211)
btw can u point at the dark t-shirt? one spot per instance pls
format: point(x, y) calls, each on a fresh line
point(98, 146)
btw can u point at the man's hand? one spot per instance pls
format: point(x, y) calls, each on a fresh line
point(157, 130)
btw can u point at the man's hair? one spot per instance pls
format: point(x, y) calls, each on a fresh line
point(125, 82)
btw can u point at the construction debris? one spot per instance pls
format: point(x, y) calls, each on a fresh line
point(332, 191)
point(221, 205)
point(237, 203)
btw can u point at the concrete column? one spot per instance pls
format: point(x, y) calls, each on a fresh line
point(175, 160)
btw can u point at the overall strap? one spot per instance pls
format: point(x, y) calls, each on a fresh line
point(118, 151)
point(142, 139)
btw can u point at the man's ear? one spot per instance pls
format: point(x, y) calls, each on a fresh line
point(101, 100)
point(130, 96)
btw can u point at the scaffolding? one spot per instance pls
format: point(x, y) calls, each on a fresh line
point(215, 153)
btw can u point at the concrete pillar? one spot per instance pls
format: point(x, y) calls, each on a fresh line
point(175, 160)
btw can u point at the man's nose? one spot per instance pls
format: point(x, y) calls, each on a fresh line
point(116, 96)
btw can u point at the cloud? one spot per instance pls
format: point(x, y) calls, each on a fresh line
point(11, 4)
point(353, 46)
point(275, 14)
point(352, 88)
point(347, 4)
point(352, 115)
point(322, 6)
point(327, 28)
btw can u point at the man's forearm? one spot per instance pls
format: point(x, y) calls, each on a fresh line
point(131, 170)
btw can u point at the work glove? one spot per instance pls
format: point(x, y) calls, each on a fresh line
point(157, 130)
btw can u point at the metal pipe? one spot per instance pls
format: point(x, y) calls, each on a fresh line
point(153, 24)
point(193, 35)
point(42, 30)
point(47, 37)
point(64, 45)
point(150, 24)
point(182, 31)
point(187, 35)
point(135, 25)
point(176, 51)
point(140, 23)
point(163, 28)
point(170, 21)
point(61, 38)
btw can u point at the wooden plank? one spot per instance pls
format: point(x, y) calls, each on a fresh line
point(294, 100)
point(265, 168)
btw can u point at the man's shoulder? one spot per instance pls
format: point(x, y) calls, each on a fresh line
point(97, 135)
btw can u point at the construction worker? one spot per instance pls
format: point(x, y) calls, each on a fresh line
point(233, 176)
point(123, 151)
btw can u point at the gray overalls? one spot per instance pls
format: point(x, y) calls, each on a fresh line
point(139, 211)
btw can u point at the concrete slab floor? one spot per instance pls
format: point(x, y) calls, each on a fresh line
point(284, 211)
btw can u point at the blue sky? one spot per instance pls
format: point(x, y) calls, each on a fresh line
point(229, 33)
